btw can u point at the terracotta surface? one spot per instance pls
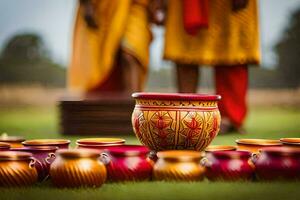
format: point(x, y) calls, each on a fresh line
point(275, 163)
point(128, 163)
point(229, 165)
point(17, 169)
point(164, 121)
point(77, 168)
point(254, 145)
point(178, 165)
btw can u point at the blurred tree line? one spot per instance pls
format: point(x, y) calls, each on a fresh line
point(25, 60)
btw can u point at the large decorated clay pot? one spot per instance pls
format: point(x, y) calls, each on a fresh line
point(254, 145)
point(99, 143)
point(17, 169)
point(128, 163)
point(277, 163)
point(44, 156)
point(164, 121)
point(229, 165)
point(60, 143)
point(77, 168)
point(178, 165)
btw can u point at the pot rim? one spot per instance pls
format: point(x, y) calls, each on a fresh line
point(180, 155)
point(280, 150)
point(78, 153)
point(15, 155)
point(98, 145)
point(212, 148)
point(100, 141)
point(46, 142)
point(128, 150)
point(8, 138)
point(35, 148)
point(231, 154)
point(259, 142)
point(290, 141)
point(4, 145)
point(176, 96)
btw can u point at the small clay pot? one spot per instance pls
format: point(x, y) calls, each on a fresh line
point(178, 165)
point(254, 145)
point(128, 163)
point(44, 156)
point(60, 143)
point(17, 169)
point(77, 168)
point(276, 163)
point(229, 165)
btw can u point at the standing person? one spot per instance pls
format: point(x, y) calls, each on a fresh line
point(110, 46)
point(220, 33)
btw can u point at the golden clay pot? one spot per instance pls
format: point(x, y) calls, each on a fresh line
point(254, 145)
point(59, 143)
point(164, 121)
point(17, 169)
point(14, 141)
point(213, 148)
point(178, 165)
point(77, 168)
point(291, 142)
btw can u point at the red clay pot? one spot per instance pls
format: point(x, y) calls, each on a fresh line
point(128, 163)
point(44, 156)
point(229, 165)
point(275, 163)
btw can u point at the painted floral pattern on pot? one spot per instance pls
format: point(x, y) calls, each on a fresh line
point(173, 124)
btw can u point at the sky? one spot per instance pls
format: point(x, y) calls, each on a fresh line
point(53, 20)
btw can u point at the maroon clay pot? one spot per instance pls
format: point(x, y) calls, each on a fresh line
point(128, 163)
point(4, 146)
point(229, 165)
point(277, 163)
point(44, 156)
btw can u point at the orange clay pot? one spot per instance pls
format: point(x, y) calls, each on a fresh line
point(14, 141)
point(60, 143)
point(178, 165)
point(77, 168)
point(164, 121)
point(254, 145)
point(17, 169)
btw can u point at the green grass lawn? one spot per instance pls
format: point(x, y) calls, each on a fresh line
point(269, 122)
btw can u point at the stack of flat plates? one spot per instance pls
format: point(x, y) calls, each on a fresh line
point(98, 115)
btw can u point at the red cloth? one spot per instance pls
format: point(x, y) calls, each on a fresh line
point(195, 15)
point(231, 84)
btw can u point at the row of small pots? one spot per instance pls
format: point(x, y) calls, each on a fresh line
point(99, 159)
